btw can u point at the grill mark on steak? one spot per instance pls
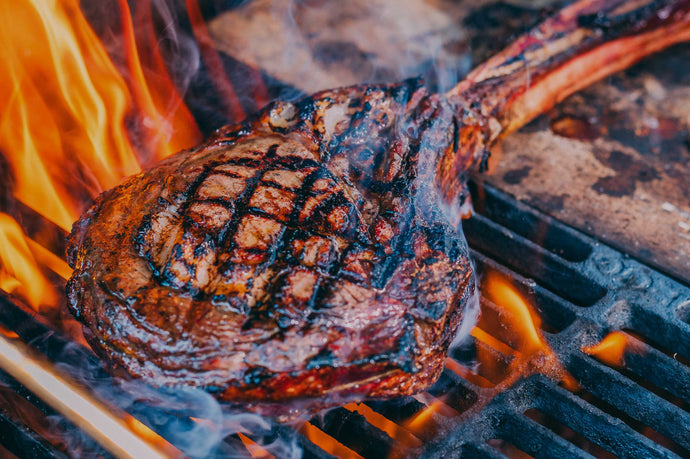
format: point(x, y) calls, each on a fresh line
point(307, 250)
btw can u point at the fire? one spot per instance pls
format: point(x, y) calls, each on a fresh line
point(611, 350)
point(67, 108)
point(326, 442)
point(19, 273)
point(382, 423)
point(515, 334)
point(170, 126)
point(118, 433)
point(520, 316)
point(68, 112)
point(253, 448)
point(420, 422)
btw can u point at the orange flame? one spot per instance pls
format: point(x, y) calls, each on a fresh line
point(611, 350)
point(515, 334)
point(170, 125)
point(326, 442)
point(382, 423)
point(519, 315)
point(420, 422)
point(254, 449)
point(19, 273)
point(66, 107)
point(64, 130)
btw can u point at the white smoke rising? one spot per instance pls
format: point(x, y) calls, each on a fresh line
point(469, 318)
point(314, 45)
point(181, 51)
point(190, 419)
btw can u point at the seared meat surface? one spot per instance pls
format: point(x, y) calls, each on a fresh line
point(291, 256)
point(311, 249)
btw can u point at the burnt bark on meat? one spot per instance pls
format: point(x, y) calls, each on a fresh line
point(309, 251)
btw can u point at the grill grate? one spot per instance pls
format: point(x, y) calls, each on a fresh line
point(582, 290)
point(639, 410)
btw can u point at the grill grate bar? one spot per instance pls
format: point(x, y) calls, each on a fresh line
point(635, 401)
point(352, 430)
point(22, 441)
point(556, 312)
point(634, 298)
point(529, 259)
point(519, 218)
point(666, 328)
point(485, 451)
point(537, 440)
point(597, 426)
point(658, 369)
point(635, 424)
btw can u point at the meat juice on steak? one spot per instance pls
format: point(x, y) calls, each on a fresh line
point(308, 251)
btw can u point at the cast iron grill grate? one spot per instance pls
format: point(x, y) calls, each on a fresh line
point(582, 291)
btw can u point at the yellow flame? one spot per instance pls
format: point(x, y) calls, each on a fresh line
point(19, 272)
point(519, 325)
point(523, 321)
point(326, 442)
point(611, 350)
point(64, 107)
point(64, 130)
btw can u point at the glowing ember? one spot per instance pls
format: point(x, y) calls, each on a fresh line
point(7, 333)
point(467, 374)
point(19, 273)
point(486, 338)
point(382, 423)
point(326, 442)
point(611, 350)
point(421, 420)
point(254, 449)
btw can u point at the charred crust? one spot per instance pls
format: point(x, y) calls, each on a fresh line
point(276, 272)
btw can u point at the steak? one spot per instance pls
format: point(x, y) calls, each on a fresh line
point(314, 248)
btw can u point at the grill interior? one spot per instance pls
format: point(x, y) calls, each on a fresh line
point(581, 288)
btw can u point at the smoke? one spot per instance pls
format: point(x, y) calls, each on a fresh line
point(196, 423)
point(159, 27)
point(319, 44)
point(469, 318)
point(190, 419)
point(181, 53)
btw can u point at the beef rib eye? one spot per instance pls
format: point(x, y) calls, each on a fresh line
point(309, 251)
